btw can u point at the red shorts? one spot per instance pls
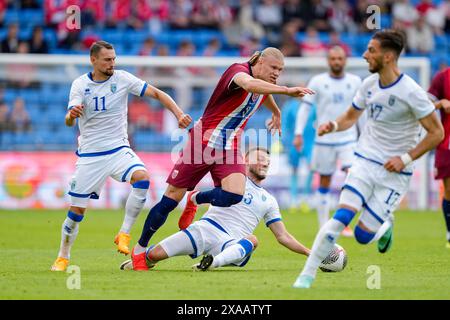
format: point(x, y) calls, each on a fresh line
point(196, 160)
point(442, 164)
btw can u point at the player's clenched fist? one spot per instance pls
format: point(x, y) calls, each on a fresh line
point(76, 112)
point(327, 127)
point(394, 164)
point(184, 121)
point(299, 92)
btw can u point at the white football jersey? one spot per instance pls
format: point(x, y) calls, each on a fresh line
point(103, 125)
point(333, 97)
point(392, 126)
point(241, 219)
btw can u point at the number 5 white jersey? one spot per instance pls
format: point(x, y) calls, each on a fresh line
point(392, 126)
point(103, 125)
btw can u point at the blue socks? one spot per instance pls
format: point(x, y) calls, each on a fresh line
point(156, 218)
point(446, 211)
point(218, 197)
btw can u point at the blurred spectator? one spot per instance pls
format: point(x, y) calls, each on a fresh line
point(312, 46)
point(335, 40)
point(248, 47)
point(203, 15)
point(180, 14)
point(269, 14)
point(11, 43)
point(423, 7)
point(436, 17)
point(292, 13)
point(289, 46)
point(118, 14)
point(37, 43)
point(5, 122)
point(404, 14)
point(223, 13)
point(20, 119)
point(213, 48)
point(245, 25)
point(420, 38)
point(148, 47)
point(88, 40)
point(163, 51)
point(360, 15)
point(320, 10)
point(93, 13)
point(341, 17)
point(187, 49)
point(153, 12)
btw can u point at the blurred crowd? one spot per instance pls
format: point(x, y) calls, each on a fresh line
point(245, 24)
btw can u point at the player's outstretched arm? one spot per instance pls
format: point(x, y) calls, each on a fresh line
point(435, 134)
point(250, 84)
point(72, 114)
point(184, 120)
point(443, 104)
point(286, 239)
point(342, 123)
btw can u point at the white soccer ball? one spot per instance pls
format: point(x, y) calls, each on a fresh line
point(335, 261)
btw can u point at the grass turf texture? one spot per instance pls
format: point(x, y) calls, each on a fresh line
point(417, 267)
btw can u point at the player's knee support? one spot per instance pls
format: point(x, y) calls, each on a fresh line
point(225, 199)
point(247, 245)
point(142, 184)
point(363, 236)
point(344, 215)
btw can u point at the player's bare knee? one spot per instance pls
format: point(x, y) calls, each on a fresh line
point(139, 175)
point(175, 193)
point(77, 210)
point(253, 239)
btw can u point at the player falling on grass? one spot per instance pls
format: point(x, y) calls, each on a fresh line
point(99, 100)
point(440, 94)
point(335, 90)
point(382, 170)
point(214, 144)
point(225, 235)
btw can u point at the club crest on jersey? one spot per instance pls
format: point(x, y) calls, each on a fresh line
point(174, 174)
point(87, 91)
point(255, 97)
point(113, 87)
point(391, 100)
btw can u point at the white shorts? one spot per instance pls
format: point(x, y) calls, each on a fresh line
point(325, 158)
point(205, 238)
point(379, 190)
point(91, 174)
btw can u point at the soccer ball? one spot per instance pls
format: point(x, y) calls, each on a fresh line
point(335, 261)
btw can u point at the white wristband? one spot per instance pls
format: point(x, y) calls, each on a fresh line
point(335, 126)
point(406, 158)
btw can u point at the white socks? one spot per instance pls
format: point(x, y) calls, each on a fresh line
point(69, 233)
point(133, 207)
point(323, 244)
point(323, 207)
point(231, 254)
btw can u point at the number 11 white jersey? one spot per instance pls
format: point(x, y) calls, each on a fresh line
point(103, 125)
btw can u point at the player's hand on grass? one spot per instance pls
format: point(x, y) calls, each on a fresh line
point(298, 142)
point(274, 124)
point(76, 112)
point(299, 92)
point(394, 164)
point(326, 128)
point(184, 121)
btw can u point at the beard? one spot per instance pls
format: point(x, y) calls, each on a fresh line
point(376, 67)
point(108, 73)
point(259, 176)
point(336, 69)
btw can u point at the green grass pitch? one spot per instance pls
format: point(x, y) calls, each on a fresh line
point(417, 267)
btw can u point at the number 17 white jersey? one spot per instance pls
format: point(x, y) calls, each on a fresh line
point(392, 127)
point(103, 125)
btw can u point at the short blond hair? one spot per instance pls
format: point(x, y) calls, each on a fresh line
point(267, 52)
